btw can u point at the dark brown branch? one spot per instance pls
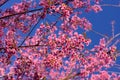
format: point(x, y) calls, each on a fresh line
point(26, 46)
point(34, 10)
point(30, 31)
point(71, 76)
point(4, 3)
point(21, 13)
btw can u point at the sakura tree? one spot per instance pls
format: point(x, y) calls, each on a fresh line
point(41, 40)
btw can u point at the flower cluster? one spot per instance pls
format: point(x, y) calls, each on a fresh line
point(34, 48)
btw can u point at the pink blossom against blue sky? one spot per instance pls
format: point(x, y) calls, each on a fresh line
point(101, 22)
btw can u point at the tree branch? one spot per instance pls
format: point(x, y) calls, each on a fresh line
point(71, 76)
point(34, 10)
point(113, 32)
point(30, 31)
point(99, 33)
point(18, 47)
point(112, 39)
point(110, 5)
point(4, 3)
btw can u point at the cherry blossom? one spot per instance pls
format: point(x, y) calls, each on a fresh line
point(40, 40)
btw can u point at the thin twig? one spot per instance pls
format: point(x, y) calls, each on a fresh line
point(116, 42)
point(99, 33)
point(114, 72)
point(110, 5)
point(117, 65)
point(10, 15)
point(112, 39)
point(112, 23)
point(118, 54)
point(30, 31)
point(4, 3)
point(19, 47)
point(72, 76)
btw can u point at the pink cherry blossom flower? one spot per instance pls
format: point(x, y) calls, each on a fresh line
point(96, 8)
